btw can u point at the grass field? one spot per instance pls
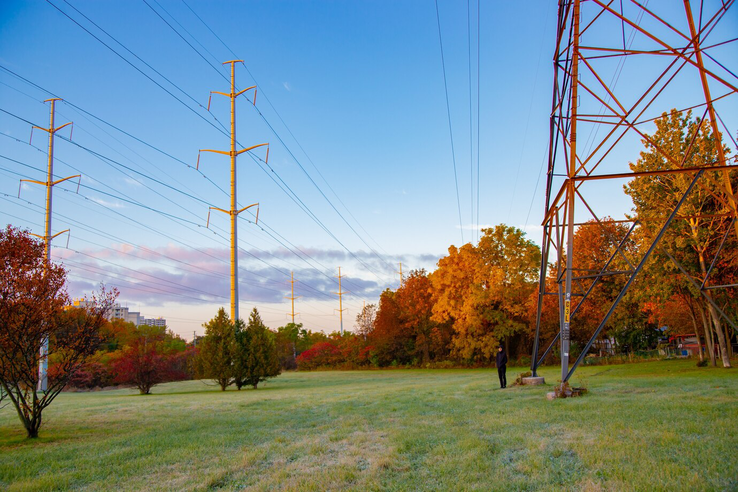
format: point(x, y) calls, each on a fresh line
point(652, 426)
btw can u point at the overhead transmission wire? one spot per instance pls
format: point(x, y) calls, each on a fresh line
point(85, 112)
point(74, 222)
point(255, 158)
point(471, 133)
point(527, 122)
point(279, 138)
point(166, 236)
point(222, 129)
point(139, 204)
point(133, 286)
point(217, 61)
point(479, 69)
point(169, 92)
point(113, 163)
point(126, 133)
point(134, 202)
point(109, 160)
point(171, 216)
point(132, 65)
point(450, 130)
point(98, 231)
point(284, 124)
point(218, 71)
point(118, 275)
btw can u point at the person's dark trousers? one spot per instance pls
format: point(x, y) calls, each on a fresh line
point(503, 377)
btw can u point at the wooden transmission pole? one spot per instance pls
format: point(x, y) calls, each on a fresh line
point(588, 64)
point(47, 237)
point(234, 210)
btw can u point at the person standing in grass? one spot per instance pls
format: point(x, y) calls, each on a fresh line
point(501, 363)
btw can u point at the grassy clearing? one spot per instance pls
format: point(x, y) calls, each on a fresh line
point(652, 426)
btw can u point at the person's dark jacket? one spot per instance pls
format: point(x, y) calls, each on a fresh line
point(501, 359)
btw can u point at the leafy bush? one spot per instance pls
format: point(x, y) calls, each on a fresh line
point(144, 364)
point(319, 355)
point(92, 374)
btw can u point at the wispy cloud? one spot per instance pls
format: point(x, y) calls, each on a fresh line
point(287, 86)
point(108, 204)
point(202, 276)
point(132, 182)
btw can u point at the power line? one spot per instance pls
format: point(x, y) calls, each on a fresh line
point(281, 242)
point(471, 133)
point(479, 69)
point(450, 130)
point(182, 37)
point(129, 62)
point(183, 220)
point(222, 129)
point(266, 97)
point(295, 198)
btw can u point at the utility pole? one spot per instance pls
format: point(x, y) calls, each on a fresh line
point(47, 237)
point(292, 297)
point(234, 211)
point(400, 272)
point(340, 294)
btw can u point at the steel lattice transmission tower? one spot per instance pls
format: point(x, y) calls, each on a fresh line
point(618, 66)
point(234, 211)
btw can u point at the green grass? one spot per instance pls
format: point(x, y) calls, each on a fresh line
point(652, 426)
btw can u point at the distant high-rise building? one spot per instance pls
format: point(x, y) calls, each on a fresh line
point(161, 322)
point(122, 312)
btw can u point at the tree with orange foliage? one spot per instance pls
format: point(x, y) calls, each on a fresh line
point(391, 341)
point(415, 302)
point(32, 310)
point(483, 290)
point(694, 237)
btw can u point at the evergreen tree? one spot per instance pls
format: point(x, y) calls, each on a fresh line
point(259, 352)
point(240, 358)
point(217, 350)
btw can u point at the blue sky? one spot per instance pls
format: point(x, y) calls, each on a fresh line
point(358, 89)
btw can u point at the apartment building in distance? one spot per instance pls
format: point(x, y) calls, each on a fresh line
point(124, 313)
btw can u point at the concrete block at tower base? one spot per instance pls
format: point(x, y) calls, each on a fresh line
point(534, 380)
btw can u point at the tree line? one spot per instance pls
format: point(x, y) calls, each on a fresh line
point(479, 297)
point(484, 295)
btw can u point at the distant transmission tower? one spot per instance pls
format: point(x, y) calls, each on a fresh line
point(340, 294)
point(234, 211)
point(617, 67)
point(292, 296)
point(47, 237)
